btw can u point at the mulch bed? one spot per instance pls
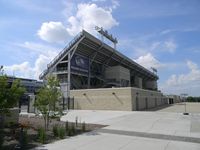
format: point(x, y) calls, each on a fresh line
point(31, 124)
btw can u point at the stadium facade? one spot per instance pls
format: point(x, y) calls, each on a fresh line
point(88, 66)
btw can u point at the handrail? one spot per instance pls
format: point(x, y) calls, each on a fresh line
point(53, 62)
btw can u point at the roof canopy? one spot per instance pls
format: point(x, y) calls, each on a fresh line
point(96, 50)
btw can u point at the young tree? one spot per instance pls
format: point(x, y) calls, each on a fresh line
point(9, 94)
point(47, 98)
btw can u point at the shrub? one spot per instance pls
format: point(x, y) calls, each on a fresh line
point(24, 139)
point(61, 132)
point(83, 127)
point(1, 138)
point(67, 126)
point(73, 129)
point(69, 132)
point(55, 130)
point(42, 135)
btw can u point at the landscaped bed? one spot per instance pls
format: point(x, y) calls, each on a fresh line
point(30, 133)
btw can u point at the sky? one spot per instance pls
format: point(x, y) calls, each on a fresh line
point(154, 33)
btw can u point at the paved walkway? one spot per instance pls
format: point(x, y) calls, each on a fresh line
point(180, 107)
point(151, 135)
point(153, 130)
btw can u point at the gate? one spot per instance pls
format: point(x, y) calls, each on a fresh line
point(68, 103)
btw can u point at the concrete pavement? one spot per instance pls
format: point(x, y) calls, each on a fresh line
point(156, 130)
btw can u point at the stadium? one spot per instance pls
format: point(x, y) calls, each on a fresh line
point(97, 76)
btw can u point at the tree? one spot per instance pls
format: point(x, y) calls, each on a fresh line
point(47, 98)
point(9, 94)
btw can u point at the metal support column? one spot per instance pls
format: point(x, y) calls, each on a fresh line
point(89, 74)
point(69, 75)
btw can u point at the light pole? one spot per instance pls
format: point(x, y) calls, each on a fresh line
point(184, 96)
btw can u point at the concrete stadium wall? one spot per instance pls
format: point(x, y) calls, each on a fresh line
point(117, 99)
point(176, 98)
point(146, 99)
point(103, 99)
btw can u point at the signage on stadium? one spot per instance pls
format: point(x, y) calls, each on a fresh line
point(80, 63)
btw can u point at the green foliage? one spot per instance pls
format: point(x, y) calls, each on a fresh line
point(61, 132)
point(83, 127)
point(193, 99)
point(69, 133)
point(9, 95)
point(47, 98)
point(24, 141)
point(55, 130)
point(67, 126)
point(73, 129)
point(1, 138)
point(42, 135)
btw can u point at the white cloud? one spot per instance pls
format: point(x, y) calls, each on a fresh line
point(39, 48)
point(88, 16)
point(45, 54)
point(69, 9)
point(149, 61)
point(184, 83)
point(40, 65)
point(98, 0)
point(192, 77)
point(25, 70)
point(190, 29)
point(144, 44)
point(53, 32)
point(115, 4)
point(19, 68)
point(170, 46)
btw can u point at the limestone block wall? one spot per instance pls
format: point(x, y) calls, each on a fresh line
point(145, 99)
point(103, 99)
point(126, 98)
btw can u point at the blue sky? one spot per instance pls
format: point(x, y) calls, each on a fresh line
point(157, 33)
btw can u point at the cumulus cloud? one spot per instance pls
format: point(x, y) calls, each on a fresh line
point(170, 46)
point(40, 65)
point(192, 77)
point(88, 16)
point(53, 32)
point(39, 48)
point(144, 44)
point(115, 4)
point(149, 61)
point(45, 54)
point(25, 69)
point(184, 83)
point(16, 68)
